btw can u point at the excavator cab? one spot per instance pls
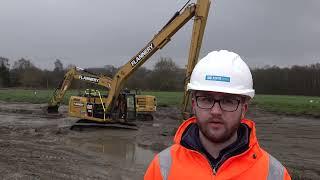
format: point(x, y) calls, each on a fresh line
point(130, 112)
point(92, 106)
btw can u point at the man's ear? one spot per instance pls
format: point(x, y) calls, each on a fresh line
point(244, 110)
point(193, 104)
point(193, 101)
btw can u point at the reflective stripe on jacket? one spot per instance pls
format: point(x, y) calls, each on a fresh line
point(179, 162)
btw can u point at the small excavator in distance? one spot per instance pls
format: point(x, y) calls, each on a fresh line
point(143, 108)
point(118, 106)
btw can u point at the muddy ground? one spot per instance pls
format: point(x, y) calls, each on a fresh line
point(36, 146)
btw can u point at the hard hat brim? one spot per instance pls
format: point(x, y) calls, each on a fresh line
point(246, 92)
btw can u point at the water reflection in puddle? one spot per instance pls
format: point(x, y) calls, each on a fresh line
point(120, 149)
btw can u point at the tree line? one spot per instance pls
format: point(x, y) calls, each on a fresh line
point(165, 76)
point(296, 80)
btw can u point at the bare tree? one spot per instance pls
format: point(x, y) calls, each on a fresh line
point(25, 74)
point(165, 75)
point(58, 66)
point(22, 64)
point(4, 72)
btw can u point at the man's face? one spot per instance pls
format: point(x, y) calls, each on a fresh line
point(216, 124)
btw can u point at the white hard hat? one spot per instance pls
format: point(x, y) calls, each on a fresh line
point(222, 71)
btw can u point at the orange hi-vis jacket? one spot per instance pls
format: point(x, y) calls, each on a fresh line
point(178, 162)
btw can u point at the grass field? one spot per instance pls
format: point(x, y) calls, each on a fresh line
point(293, 105)
point(290, 105)
point(31, 96)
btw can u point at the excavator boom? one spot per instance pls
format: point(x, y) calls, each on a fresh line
point(199, 25)
point(200, 13)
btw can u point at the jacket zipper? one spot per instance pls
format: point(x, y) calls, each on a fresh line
point(214, 172)
point(228, 154)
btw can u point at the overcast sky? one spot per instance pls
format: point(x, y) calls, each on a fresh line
point(94, 33)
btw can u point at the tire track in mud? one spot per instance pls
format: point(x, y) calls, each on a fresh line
point(51, 162)
point(32, 147)
point(294, 140)
point(25, 152)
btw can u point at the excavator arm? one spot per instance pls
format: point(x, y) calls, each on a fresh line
point(199, 25)
point(75, 73)
point(199, 12)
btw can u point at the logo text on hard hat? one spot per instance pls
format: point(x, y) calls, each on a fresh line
point(217, 78)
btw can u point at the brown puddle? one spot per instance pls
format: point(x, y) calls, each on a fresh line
point(123, 150)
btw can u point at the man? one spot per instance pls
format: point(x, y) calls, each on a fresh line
point(218, 143)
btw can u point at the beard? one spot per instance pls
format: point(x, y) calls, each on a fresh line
point(222, 134)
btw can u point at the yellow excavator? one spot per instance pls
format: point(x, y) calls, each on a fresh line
point(118, 106)
point(145, 105)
